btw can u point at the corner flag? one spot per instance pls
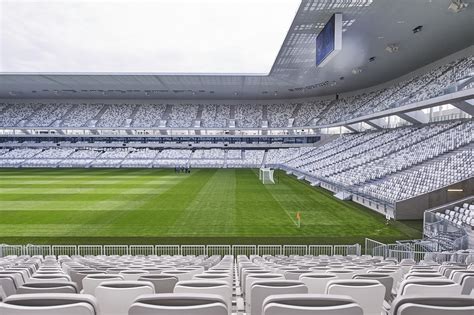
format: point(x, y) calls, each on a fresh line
point(298, 217)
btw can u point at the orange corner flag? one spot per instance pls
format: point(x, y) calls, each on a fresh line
point(298, 215)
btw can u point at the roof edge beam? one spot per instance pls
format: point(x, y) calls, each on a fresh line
point(415, 117)
point(466, 106)
point(373, 124)
point(351, 128)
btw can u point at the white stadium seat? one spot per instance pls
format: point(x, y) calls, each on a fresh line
point(48, 287)
point(217, 287)
point(49, 304)
point(178, 304)
point(369, 294)
point(115, 297)
point(91, 282)
point(262, 289)
point(310, 304)
point(429, 286)
point(316, 282)
point(429, 305)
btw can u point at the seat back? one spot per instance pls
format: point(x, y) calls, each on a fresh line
point(162, 283)
point(251, 278)
point(456, 275)
point(316, 282)
point(250, 272)
point(3, 295)
point(193, 270)
point(217, 287)
point(153, 270)
point(115, 270)
point(395, 274)
point(262, 289)
point(49, 304)
point(132, 275)
point(48, 287)
point(310, 304)
point(369, 294)
point(215, 276)
point(23, 271)
point(50, 277)
point(466, 279)
point(115, 297)
point(295, 274)
point(467, 285)
point(91, 282)
point(77, 276)
point(179, 304)
point(19, 276)
point(342, 273)
point(384, 279)
point(8, 284)
point(432, 305)
point(182, 275)
point(16, 276)
point(429, 287)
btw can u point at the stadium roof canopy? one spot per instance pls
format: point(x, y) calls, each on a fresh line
point(242, 37)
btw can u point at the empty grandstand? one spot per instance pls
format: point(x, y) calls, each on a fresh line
point(132, 136)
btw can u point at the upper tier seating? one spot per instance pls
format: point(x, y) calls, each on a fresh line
point(148, 115)
point(114, 115)
point(183, 115)
point(215, 116)
point(278, 115)
point(415, 88)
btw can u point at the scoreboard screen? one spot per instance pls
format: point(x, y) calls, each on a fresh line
point(329, 40)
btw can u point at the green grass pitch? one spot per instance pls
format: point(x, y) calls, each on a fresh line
point(157, 206)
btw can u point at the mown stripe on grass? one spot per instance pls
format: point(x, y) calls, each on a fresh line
point(139, 206)
point(212, 210)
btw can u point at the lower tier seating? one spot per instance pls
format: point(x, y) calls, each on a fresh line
point(388, 165)
point(202, 285)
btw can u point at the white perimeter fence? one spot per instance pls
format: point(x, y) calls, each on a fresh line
point(397, 251)
point(402, 251)
point(208, 250)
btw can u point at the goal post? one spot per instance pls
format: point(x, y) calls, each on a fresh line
point(266, 176)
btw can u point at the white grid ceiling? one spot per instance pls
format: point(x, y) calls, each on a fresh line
point(369, 26)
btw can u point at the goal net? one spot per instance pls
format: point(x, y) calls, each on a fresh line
point(266, 176)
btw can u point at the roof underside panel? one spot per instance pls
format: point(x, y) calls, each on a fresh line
point(368, 27)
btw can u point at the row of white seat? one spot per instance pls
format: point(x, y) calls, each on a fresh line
point(210, 304)
point(460, 216)
point(308, 284)
point(119, 157)
point(389, 165)
point(149, 115)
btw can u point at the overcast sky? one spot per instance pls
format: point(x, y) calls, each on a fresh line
point(177, 36)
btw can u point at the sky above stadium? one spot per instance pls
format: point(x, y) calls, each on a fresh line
point(143, 36)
